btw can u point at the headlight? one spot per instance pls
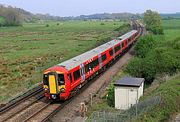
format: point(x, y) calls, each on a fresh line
point(53, 97)
point(62, 90)
point(45, 89)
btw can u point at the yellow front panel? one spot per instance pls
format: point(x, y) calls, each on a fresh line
point(52, 84)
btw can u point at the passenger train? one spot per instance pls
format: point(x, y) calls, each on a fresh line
point(64, 80)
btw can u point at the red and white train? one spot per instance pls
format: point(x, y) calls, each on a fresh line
point(65, 79)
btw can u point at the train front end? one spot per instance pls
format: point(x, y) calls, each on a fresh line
point(55, 83)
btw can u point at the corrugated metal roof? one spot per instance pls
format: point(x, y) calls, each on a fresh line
point(76, 61)
point(129, 81)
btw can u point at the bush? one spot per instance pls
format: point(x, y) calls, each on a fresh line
point(102, 24)
point(154, 59)
point(123, 27)
point(2, 21)
point(141, 67)
point(144, 45)
point(47, 25)
point(110, 96)
point(176, 43)
point(156, 30)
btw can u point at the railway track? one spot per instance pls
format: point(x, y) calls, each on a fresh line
point(21, 102)
point(32, 106)
point(19, 99)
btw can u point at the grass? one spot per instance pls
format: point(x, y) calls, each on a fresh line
point(170, 101)
point(171, 28)
point(27, 50)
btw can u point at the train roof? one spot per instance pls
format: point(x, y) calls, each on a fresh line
point(76, 61)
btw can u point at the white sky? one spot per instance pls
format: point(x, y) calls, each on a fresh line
point(85, 7)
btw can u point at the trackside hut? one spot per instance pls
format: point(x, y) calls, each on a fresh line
point(128, 90)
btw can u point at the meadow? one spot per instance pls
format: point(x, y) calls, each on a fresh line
point(25, 51)
point(171, 28)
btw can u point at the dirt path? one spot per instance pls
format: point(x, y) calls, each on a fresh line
point(70, 112)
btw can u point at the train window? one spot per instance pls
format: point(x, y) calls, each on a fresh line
point(76, 74)
point(104, 57)
point(70, 77)
point(45, 79)
point(111, 52)
point(60, 79)
point(122, 44)
point(129, 40)
point(96, 62)
point(87, 68)
point(117, 48)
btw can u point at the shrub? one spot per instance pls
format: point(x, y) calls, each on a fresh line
point(47, 25)
point(144, 45)
point(156, 30)
point(123, 27)
point(102, 24)
point(141, 67)
point(2, 21)
point(162, 58)
point(176, 43)
point(110, 96)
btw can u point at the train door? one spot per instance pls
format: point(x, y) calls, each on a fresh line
point(52, 84)
point(82, 73)
point(100, 61)
point(113, 52)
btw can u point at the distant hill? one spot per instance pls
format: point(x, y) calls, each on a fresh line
point(172, 15)
point(15, 16)
point(122, 16)
point(20, 15)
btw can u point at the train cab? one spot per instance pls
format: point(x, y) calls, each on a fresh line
point(55, 83)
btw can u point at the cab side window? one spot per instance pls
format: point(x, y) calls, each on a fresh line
point(70, 77)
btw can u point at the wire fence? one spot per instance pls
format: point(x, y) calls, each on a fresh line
point(127, 115)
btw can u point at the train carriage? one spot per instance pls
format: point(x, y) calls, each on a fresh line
point(65, 79)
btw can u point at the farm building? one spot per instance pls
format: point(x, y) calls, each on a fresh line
point(128, 90)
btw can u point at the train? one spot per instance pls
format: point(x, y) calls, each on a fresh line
point(64, 80)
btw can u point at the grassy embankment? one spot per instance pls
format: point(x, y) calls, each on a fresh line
point(27, 50)
point(164, 52)
point(168, 89)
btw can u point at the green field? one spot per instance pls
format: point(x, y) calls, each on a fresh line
point(171, 28)
point(27, 50)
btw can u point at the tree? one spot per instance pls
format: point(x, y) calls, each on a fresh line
point(11, 16)
point(153, 22)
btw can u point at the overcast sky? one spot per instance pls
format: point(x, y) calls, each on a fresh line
point(85, 7)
